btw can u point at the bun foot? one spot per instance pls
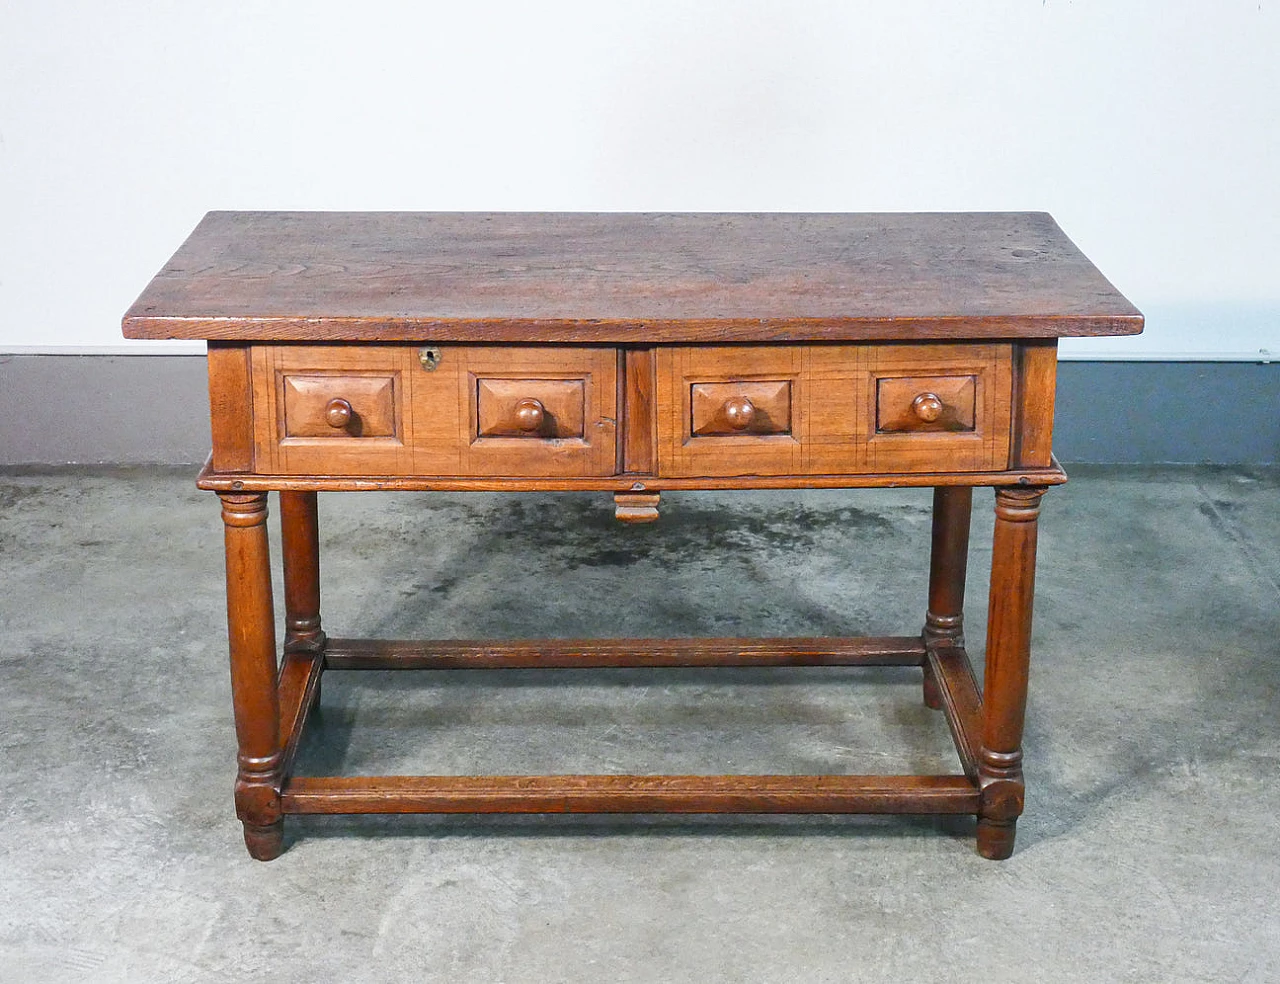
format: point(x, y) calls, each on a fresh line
point(264, 843)
point(995, 838)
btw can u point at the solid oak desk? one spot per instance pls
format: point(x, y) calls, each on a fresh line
point(629, 354)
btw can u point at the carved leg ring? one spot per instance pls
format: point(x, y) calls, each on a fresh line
point(255, 700)
point(1013, 564)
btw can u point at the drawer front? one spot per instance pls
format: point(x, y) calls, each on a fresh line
point(325, 410)
point(339, 405)
point(742, 407)
point(729, 410)
point(472, 411)
point(833, 409)
point(938, 407)
point(531, 409)
point(535, 411)
point(926, 404)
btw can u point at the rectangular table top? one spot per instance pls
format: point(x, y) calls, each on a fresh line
point(628, 278)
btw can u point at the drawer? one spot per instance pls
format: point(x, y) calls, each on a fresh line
point(730, 410)
point(833, 409)
point(473, 411)
point(535, 411)
point(339, 410)
point(938, 407)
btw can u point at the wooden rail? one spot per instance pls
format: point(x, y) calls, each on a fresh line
point(961, 701)
point(371, 654)
point(631, 794)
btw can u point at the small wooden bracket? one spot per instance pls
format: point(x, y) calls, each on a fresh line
point(635, 507)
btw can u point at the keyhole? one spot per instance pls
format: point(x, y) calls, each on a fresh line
point(429, 357)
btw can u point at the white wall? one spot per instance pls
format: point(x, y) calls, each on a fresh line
point(1150, 128)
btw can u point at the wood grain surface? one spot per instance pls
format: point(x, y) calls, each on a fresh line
point(832, 404)
point(633, 354)
point(630, 794)
point(628, 278)
point(378, 654)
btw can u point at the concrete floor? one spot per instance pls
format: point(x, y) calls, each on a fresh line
point(1149, 851)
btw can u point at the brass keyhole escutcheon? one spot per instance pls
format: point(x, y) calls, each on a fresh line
point(430, 357)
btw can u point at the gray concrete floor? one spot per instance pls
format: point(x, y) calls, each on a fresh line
point(1149, 851)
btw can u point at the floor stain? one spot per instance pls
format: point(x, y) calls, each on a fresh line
point(583, 533)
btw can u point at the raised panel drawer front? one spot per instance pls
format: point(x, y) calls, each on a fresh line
point(833, 409)
point(533, 409)
point(466, 411)
point(339, 404)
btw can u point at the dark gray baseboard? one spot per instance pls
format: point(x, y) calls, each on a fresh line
point(103, 409)
point(125, 409)
point(1146, 413)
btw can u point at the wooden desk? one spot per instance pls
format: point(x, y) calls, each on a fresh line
point(630, 354)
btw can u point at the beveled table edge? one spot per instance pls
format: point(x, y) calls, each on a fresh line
point(958, 328)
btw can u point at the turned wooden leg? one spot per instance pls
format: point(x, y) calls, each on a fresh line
point(300, 536)
point(948, 563)
point(1004, 689)
point(252, 635)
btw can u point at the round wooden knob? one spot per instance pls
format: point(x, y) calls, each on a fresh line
point(738, 410)
point(338, 413)
point(927, 407)
point(529, 414)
